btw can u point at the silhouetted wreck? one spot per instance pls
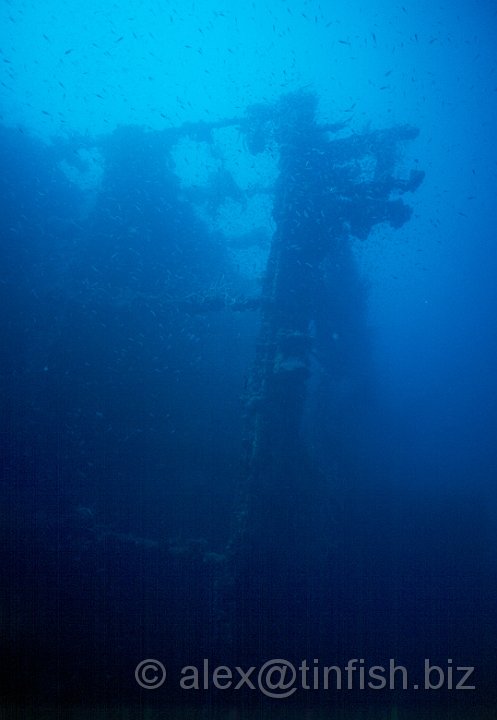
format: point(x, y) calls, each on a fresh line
point(331, 187)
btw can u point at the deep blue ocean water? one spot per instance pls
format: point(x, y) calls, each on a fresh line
point(247, 359)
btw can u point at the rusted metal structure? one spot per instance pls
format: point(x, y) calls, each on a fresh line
point(329, 189)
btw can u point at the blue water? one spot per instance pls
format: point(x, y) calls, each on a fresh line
point(226, 432)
